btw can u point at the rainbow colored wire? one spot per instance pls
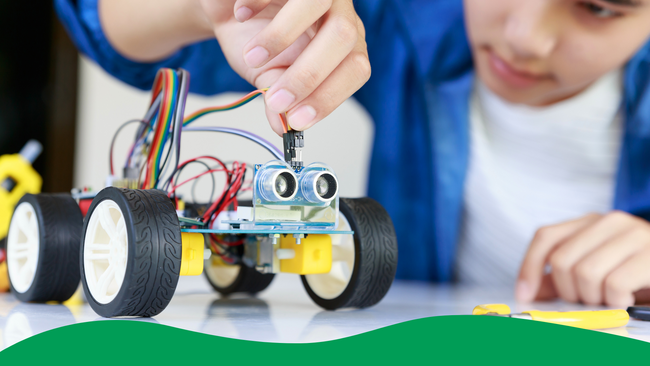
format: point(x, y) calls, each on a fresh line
point(156, 136)
point(166, 84)
point(202, 112)
point(236, 104)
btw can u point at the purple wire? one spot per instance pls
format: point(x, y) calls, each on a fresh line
point(251, 136)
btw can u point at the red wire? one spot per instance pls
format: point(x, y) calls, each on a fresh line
point(230, 244)
point(229, 194)
point(204, 157)
point(193, 178)
point(222, 255)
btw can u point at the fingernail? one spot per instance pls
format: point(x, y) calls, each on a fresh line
point(523, 292)
point(243, 14)
point(302, 117)
point(280, 100)
point(256, 56)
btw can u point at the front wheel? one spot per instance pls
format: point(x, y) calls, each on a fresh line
point(130, 252)
point(363, 264)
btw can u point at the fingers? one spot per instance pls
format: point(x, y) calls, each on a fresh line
point(268, 78)
point(246, 9)
point(591, 271)
point(547, 289)
point(623, 282)
point(275, 122)
point(289, 23)
point(329, 70)
point(545, 240)
point(564, 258)
point(346, 79)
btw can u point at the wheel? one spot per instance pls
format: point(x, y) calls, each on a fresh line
point(43, 248)
point(130, 252)
point(363, 264)
point(228, 279)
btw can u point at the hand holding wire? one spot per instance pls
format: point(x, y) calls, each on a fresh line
point(312, 54)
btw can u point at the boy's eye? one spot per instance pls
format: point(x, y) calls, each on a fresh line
point(599, 11)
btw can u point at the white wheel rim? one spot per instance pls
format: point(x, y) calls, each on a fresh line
point(105, 251)
point(331, 285)
point(222, 275)
point(23, 245)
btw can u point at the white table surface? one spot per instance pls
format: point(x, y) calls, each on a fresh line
point(284, 312)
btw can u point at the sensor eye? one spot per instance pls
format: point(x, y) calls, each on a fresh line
point(319, 186)
point(281, 185)
point(278, 185)
point(322, 187)
point(285, 185)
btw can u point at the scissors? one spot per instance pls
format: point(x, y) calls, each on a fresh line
point(589, 319)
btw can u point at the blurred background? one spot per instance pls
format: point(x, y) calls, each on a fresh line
point(38, 88)
point(50, 93)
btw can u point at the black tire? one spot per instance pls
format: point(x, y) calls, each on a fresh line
point(57, 272)
point(248, 280)
point(375, 248)
point(154, 253)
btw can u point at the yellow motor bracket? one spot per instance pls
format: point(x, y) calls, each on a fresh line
point(312, 256)
point(27, 181)
point(193, 252)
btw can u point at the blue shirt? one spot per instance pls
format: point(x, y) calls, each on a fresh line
point(418, 97)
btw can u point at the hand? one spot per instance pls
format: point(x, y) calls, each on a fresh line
point(311, 53)
point(596, 259)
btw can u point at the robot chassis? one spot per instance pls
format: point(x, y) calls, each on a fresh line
point(132, 245)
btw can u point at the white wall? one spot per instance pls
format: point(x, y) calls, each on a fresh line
point(342, 140)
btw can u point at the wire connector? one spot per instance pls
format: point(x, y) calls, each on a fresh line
point(294, 141)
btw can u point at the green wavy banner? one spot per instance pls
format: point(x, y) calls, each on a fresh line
point(439, 340)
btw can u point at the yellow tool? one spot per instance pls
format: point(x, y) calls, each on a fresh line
point(17, 177)
point(594, 319)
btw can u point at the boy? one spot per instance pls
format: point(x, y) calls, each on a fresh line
point(494, 120)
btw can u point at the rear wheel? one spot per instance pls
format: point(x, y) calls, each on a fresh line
point(228, 279)
point(43, 248)
point(131, 252)
point(363, 264)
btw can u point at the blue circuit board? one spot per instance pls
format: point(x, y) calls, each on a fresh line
point(265, 232)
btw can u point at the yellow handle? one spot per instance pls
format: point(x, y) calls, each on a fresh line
point(500, 309)
point(27, 181)
point(597, 319)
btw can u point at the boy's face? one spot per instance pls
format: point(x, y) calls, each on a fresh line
point(538, 52)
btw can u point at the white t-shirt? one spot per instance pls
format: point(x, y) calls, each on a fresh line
point(530, 167)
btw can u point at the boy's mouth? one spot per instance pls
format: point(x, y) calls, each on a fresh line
point(513, 77)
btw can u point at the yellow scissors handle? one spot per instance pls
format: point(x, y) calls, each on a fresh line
point(597, 319)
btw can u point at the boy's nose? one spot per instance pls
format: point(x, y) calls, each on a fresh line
point(530, 29)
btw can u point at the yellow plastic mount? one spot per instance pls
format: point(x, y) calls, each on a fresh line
point(4, 278)
point(192, 257)
point(27, 181)
point(500, 309)
point(312, 256)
